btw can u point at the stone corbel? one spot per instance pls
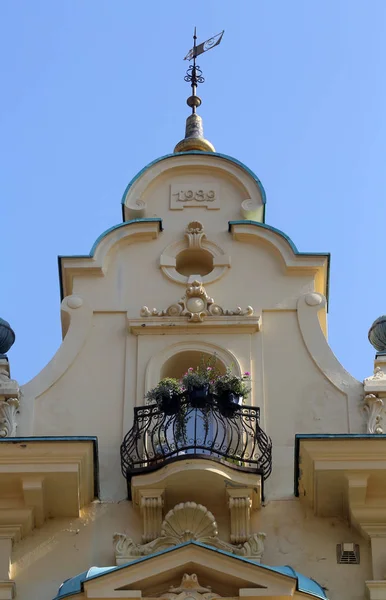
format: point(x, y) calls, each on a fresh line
point(151, 505)
point(240, 504)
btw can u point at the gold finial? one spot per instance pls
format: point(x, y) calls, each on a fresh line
point(194, 131)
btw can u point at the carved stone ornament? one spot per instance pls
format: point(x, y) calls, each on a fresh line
point(189, 588)
point(194, 234)
point(187, 522)
point(8, 386)
point(373, 407)
point(8, 411)
point(196, 305)
point(378, 374)
point(9, 404)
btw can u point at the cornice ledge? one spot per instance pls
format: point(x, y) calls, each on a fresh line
point(170, 326)
point(353, 462)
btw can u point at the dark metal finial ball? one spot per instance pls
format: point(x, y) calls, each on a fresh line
point(377, 334)
point(7, 336)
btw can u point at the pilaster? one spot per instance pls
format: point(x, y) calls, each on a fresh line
point(151, 505)
point(240, 504)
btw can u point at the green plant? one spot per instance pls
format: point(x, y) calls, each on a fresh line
point(231, 383)
point(167, 387)
point(180, 426)
point(163, 391)
point(202, 375)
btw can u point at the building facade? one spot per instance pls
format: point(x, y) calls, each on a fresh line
point(199, 494)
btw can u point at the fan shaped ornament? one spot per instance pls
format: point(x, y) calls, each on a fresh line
point(187, 521)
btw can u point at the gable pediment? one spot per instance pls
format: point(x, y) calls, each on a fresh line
point(161, 576)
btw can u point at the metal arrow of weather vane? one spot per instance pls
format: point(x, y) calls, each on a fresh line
point(194, 73)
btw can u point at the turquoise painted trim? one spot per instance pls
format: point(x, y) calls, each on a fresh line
point(75, 585)
point(293, 247)
point(97, 242)
point(326, 436)
point(105, 233)
point(66, 438)
point(193, 152)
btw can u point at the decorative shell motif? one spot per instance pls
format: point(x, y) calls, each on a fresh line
point(189, 521)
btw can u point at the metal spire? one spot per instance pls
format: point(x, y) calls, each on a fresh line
point(194, 132)
point(194, 76)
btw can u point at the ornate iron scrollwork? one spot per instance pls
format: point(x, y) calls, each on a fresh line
point(157, 438)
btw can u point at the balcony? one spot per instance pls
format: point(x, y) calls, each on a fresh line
point(232, 437)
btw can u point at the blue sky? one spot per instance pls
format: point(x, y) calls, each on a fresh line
point(93, 90)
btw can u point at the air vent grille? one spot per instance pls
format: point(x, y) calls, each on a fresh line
point(347, 554)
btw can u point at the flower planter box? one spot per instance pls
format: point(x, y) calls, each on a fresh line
point(199, 397)
point(169, 404)
point(229, 403)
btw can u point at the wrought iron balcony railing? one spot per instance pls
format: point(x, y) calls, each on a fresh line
point(157, 438)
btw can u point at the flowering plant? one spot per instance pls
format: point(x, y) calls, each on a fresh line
point(167, 394)
point(197, 377)
point(201, 376)
point(167, 387)
point(231, 383)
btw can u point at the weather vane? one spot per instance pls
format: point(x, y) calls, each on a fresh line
point(194, 73)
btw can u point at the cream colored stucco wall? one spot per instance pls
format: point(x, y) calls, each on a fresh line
point(102, 371)
point(64, 548)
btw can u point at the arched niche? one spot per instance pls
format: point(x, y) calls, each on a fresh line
point(175, 360)
point(180, 362)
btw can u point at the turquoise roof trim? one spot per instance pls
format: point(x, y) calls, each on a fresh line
point(290, 242)
point(192, 152)
point(74, 585)
point(105, 233)
point(97, 242)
